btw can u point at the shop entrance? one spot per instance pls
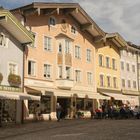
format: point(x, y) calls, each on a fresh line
point(65, 104)
point(7, 111)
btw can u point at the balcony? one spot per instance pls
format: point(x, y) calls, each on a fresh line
point(64, 83)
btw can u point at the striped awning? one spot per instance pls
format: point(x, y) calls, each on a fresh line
point(17, 96)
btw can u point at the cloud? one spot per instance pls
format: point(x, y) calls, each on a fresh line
point(121, 16)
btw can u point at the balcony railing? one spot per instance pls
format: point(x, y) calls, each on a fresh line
point(64, 83)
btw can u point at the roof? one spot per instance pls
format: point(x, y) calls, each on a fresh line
point(133, 46)
point(74, 10)
point(12, 25)
point(117, 39)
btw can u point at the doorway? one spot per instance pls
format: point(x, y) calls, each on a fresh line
point(65, 104)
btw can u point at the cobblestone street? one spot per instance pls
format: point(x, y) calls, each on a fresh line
point(74, 130)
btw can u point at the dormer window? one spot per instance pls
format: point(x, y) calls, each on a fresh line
point(52, 21)
point(2, 40)
point(73, 29)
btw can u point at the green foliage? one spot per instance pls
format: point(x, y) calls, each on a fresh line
point(14, 80)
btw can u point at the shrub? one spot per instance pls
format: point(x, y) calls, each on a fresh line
point(14, 80)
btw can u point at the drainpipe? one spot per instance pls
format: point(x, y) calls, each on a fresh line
point(138, 74)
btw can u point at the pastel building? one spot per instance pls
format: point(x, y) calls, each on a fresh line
point(130, 73)
point(108, 74)
point(61, 64)
point(13, 39)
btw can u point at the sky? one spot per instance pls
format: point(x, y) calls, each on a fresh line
point(122, 16)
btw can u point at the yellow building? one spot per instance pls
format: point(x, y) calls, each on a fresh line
point(108, 75)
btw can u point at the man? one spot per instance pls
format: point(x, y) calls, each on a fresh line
point(58, 111)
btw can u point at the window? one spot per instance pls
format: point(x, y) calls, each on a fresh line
point(73, 29)
point(88, 55)
point(123, 83)
point(77, 76)
point(68, 72)
point(114, 63)
point(134, 84)
point(52, 21)
point(60, 71)
point(3, 40)
point(47, 43)
point(31, 68)
point(60, 48)
point(47, 71)
point(89, 78)
point(133, 68)
point(100, 60)
point(122, 65)
point(67, 46)
point(13, 68)
point(77, 52)
point(115, 82)
point(108, 81)
point(129, 84)
point(107, 62)
point(35, 37)
point(101, 80)
point(127, 66)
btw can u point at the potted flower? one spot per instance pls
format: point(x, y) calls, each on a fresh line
point(1, 77)
point(14, 80)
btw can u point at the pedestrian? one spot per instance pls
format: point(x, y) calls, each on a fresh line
point(38, 112)
point(58, 111)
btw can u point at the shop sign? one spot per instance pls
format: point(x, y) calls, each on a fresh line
point(8, 88)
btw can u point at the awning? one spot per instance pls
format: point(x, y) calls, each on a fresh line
point(134, 100)
point(102, 97)
point(117, 96)
point(17, 96)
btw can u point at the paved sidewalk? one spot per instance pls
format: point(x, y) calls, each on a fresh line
point(74, 130)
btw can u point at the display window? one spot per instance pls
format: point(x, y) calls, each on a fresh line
point(7, 111)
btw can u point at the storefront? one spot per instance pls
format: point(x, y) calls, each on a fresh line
point(11, 104)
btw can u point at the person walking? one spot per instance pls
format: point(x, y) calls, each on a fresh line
point(58, 111)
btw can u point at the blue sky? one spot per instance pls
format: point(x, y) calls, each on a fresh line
point(121, 16)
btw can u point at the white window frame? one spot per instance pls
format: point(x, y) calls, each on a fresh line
point(68, 75)
point(4, 40)
point(89, 78)
point(60, 73)
point(134, 84)
point(114, 82)
point(50, 24)
point(67, 46)
point(123, 83)
point(34, 71)
point(108, 81)
point(107, 62)
point(78, 75)
point(34, 44)
point(101, 82)
point(73, 30)
point(114, 65)
point(127, 66)
point(48, 73)
point(122, 65)
point(77, 52)
point(100, 59)
point(88, 55)
point(129, 83)
point(48, 43)
point(16, 68)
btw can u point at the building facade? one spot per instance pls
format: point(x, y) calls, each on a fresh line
point(60, 66)
point(130, 73)
point(108, 66)
point(13, 39)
